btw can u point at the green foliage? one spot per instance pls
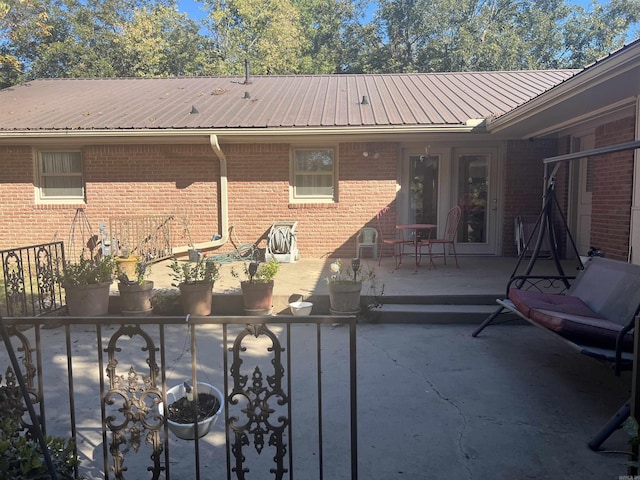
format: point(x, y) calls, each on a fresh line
point(143, 38)
point(204, 270)
point(87, 271)
point(22, 459)
point(263, 272)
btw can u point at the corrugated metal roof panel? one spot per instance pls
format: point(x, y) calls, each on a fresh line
point(275, 101)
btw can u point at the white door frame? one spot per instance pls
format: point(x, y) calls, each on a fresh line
point(447, 191)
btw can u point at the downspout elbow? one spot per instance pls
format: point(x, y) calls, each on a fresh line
point(224, 204)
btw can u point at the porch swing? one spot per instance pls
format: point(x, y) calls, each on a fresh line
point(609, 289)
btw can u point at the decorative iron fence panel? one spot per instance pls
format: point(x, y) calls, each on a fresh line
point(30, 283)
point(146, 236)
point(289, 409)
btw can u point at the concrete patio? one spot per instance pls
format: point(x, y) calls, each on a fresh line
point(433, 402)
point(406, 294)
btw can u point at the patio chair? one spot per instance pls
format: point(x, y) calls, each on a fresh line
point(398, 242)
point(367, 238)
point(449, 237)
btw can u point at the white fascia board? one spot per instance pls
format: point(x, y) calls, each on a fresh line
point(590, 77)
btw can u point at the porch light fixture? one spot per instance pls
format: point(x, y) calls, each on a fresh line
point(375, 155)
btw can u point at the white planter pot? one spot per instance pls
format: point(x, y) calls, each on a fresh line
point(185, 431)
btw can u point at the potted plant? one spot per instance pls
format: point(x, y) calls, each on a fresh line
point(126, 263)
point(183, 411)
point(86, 285)
point(257, 288)
point(345, 285)
point(136, 292)
point(195, 281)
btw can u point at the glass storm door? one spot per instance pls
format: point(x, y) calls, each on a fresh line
point(475, 185)
point(423, 189)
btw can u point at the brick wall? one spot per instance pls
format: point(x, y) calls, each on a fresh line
point(524, 185)
point(613, 189)
point(259, 196)
point(182, 180)
point(120, 181)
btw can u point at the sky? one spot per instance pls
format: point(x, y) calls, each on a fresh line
point(194, 9)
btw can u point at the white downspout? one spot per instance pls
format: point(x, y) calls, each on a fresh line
point(224, 204)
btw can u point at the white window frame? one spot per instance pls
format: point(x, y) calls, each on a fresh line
point(40, 177)
point(298, 198)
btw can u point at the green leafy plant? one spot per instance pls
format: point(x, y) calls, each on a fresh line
point(204, 270)
point(86, 271)
point(259, 272)
point(142, 271)
point(354, 273)
point(22, 458)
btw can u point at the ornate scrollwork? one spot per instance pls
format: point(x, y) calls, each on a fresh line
point(14, 285)
point(137, 397)
point(11, 400)
point(45, 279)
point(258, 397)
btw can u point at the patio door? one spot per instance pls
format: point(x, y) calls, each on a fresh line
point(423, 189)
point(475, 189)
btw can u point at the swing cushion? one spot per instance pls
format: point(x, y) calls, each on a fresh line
point(602, 301)
point(527, 300)
point(569, 317)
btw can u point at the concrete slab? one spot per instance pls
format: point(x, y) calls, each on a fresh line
point(433, 403)
point(306, 280)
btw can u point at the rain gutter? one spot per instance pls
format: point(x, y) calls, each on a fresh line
point(227, 132)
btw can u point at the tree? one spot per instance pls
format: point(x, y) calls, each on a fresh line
point(265, 32)
point(108, 38)
point(27, 20)
point(466, 35)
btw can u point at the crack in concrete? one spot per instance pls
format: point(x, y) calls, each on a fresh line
point(461, 434)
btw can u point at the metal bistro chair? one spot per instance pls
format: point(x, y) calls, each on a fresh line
point(367, 238)
point(398, 242)
point(449, 237)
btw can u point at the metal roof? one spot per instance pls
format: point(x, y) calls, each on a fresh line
point(270, 102)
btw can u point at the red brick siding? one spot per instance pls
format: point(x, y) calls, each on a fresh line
point(259, 196)
point(524, 186)
point(613, 190)
point(182, 180)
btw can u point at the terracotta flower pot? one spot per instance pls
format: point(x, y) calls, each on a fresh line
point(344, 298)
point(135, 299)
point(257, 297)
point(196, 298)
point(88, 300)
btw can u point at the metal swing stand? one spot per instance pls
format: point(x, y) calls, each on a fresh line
point(546, 229)
point(35, 423)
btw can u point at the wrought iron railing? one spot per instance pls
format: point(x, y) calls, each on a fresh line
point(289, 399)
point(29, 277)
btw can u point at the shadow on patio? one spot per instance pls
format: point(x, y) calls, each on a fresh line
point(432, 402)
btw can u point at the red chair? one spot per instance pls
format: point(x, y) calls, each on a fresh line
point(449, 237)
point(397, 242)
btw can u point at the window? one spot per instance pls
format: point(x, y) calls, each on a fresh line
point(60, 177)
point(313, 174)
